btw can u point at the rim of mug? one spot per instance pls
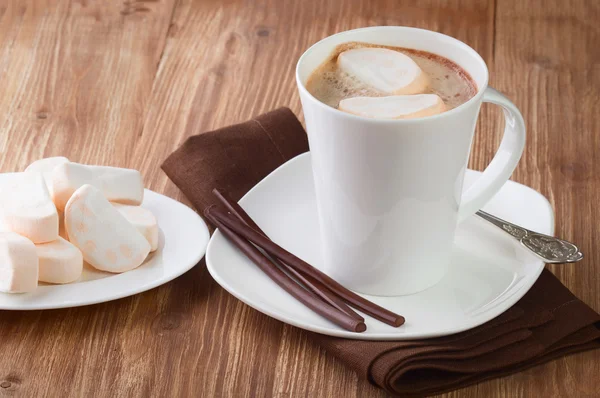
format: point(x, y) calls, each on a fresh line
point(476, 97)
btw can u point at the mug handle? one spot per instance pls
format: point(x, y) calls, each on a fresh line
point(504, 162)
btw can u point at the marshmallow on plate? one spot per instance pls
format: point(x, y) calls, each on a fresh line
point(18, 264)
point(394, 106)
point(116, 184)
point(60, 261)
point(46, 166)
point(26, 207)
point(387, 71)
point(143, 220)
point(62, 231)
point(107, 240)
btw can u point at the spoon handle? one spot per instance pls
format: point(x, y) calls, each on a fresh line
point(552, 250)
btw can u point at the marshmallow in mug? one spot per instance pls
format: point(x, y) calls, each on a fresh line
point(394, 106)
point(387, 71)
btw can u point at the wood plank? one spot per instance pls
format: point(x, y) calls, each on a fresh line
point(75, 78)
point(546, 60)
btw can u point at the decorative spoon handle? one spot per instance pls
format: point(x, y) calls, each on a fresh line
point(552, 250)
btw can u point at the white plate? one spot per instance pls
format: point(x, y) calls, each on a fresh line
point(489, 270)
point(182, 243)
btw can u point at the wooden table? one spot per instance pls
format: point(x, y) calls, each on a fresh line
point(125, 82)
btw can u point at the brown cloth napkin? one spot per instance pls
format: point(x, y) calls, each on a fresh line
point(548, 322)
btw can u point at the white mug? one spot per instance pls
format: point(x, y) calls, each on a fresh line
point(389, 192)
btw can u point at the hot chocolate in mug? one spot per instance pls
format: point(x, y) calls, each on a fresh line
point(390, 192)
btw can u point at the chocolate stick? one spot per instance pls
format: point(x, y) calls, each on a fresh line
point(272, 248)
point(285, 282)
point(312, 284)
point(320, 290)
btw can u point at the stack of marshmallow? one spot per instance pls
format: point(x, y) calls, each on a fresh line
point(397, 77)
point(57, 213)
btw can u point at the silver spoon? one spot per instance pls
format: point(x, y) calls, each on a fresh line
point(552, 250)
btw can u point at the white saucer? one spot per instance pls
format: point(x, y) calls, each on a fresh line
point(489, 272)
point(182, 243)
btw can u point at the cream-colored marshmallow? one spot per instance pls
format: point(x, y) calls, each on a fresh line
point(116, 184)
point(106, 239)
point(60, 261)
point(62, 231)
point(18, 264)
point(387, 71)
point(26, 207)
point(143, 220)
point(395, 106)
point(46, 167)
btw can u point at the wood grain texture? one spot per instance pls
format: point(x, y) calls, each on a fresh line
point(124, 83)
point(546, 59)
point(76, 77)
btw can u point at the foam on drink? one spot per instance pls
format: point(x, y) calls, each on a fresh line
point(330, 84)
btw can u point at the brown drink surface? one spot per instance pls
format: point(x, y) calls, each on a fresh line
point(329, 84)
